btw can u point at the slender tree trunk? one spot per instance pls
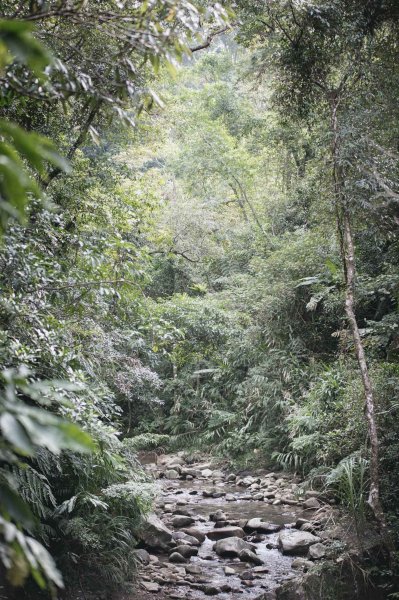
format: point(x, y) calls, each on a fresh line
point(348, 258)
point(79, 140)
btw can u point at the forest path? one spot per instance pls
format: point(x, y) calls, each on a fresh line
point(254, 514)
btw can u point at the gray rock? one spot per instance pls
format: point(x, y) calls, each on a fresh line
point(154, 534)
point(142, 556)
point(261, 527)
point(150, 586)
point(186, 551)
point(230, 498)
point(302, 564)
point(172, 474)
point(231, 547)
point(311, 503)
point(249, 556)
point(225, 532)
point(196, 533)
point(175, 557)
point(193, 569)
point(187, 539)
point(210, 589)
point(317, 551)
point(182, 521)
point(218, 516)
point(206, 473)
point(229, 571)
point(296, 542)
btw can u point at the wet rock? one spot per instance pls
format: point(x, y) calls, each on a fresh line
point(249, 556)
point(218, 474)
point(218, 494)
point(209, 589)
point(176, 557)
point(258, 496)
point(230, 498)
point(196, 533)
point(296, 542)
point(258, 525)
point(312, 503)
point(154, 534)
point(218, 516)
point(225, 532)
point(171, 474)
point(302, 564)
point(186, 551)
point(299, 522)
point(193, 569)
point(260, 570)
point(229, 571)
point(206, 473)
point(182, 521)
point(231, 477)
point(231, 547)
point(317, 551)
point(180, 511)
point(187, 539)
point(220, 524)
point(150, 586)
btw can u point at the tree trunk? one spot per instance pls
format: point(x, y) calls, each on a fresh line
point(348, 258)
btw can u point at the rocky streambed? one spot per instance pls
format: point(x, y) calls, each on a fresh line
point(230, 535)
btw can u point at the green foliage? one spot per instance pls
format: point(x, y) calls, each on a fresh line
point(349, 481)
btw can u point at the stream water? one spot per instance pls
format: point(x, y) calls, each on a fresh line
point(245, 580)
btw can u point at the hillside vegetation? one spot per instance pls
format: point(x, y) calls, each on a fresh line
point(199, 221)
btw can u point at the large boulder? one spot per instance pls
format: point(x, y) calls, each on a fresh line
point(154, 534)
point(225, 532)
point(296, 542)
point(231, 547)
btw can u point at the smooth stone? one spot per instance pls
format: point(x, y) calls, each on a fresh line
point(206, 473)
point(184, 537)
point(296, 542)
point(182, 521)
point(302, 563)
point(317, 551)
point(218, 516)
point(193, 569)
point(175, 557)
point(311, 503)
point(186, 551)
point(231, 546)
point(196, 533)
point(150, 586)
point(172, 474)
point(260, 526)
point(225, 532)
point(249, 556)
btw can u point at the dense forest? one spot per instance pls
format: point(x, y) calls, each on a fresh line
point(199, 257)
